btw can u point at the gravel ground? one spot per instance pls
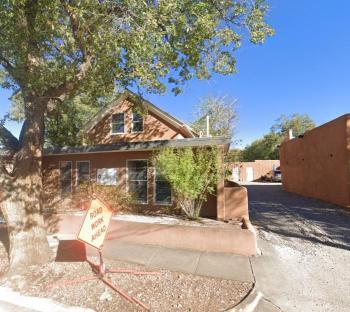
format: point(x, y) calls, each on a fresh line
point(170, 291)
point(306, 250)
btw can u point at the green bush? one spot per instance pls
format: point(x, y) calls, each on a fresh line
point(193, 174)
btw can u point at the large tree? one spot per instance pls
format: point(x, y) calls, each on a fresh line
point(264, 148)
point(63, 125)
point(299, 123)
point(222, 114)
point(268, 146)
point(52, 50)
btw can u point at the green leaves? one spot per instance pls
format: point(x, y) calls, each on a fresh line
point(129, 42)
point(299, 123)
point(192, 172)
point(267, 147)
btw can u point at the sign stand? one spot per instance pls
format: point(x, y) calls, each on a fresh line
point(100, 214)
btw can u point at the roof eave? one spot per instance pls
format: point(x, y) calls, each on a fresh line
point(139, 146)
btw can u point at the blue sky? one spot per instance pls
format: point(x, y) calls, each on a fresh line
point(304, 68)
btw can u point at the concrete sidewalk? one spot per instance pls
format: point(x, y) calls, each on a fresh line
point(211, 264)
point(220, 265)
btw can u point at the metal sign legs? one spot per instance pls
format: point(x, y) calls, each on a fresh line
point(101, 271)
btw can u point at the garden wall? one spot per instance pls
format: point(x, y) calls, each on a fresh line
point(230, 238)
point(317, 164)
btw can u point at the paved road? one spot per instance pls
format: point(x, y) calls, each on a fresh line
point(306, 250)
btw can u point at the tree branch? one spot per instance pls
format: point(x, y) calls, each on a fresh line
point(5, 63)
point(66, 90)
point(8, 140)
point(74, 24)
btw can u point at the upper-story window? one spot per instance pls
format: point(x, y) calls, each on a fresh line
point(118, 123)
point(137, 122)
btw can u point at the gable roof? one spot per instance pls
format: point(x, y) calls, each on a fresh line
point(127, 94)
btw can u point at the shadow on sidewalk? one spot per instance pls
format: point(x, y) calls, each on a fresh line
point(274, 210)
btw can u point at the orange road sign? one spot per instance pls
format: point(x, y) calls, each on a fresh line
point(95, 225)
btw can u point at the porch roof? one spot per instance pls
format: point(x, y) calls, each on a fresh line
point(138, 146)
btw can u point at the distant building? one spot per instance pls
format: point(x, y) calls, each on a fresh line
point(317, 164)
point(253, 170)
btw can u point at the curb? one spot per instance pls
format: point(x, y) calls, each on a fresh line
point(249, 303)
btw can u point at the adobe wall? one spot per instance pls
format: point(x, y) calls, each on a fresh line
point(317, 165)
point(226, 238)
point(233, 206)
point(260, 168)
point(236, 203)
point(154, 128)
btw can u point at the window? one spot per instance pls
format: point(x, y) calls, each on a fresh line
point(65, 177)
point(137, 122)
point(162, 190)
point(83, 172)
point(107, 176)
point(118, 124)
point(137, 180)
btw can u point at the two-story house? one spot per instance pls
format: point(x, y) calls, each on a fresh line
point(118, 145)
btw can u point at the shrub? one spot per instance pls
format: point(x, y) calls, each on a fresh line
point(114, 196)
point(193, 174)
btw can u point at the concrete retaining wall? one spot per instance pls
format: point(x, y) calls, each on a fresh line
point(227, 238)
point(236, 203)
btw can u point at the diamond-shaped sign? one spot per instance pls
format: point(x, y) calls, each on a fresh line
point(95, 225)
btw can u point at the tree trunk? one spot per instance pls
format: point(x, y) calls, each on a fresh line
point(27, 234)
point(21, 196)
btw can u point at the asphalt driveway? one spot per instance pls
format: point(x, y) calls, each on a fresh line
point(305, 243)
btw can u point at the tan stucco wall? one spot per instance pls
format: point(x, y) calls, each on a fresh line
point(317, 165)
point(154, 128)
point(236, 203)
point(260, 168)
point(227, 238)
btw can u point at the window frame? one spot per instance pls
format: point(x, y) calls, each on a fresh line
point(147, 178)
point(155, 191)
point(132, 123)
point(113, 133)
point(77, 171)
point(71, 177)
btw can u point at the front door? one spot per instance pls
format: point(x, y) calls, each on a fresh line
point(235, 174)
point(250, 174)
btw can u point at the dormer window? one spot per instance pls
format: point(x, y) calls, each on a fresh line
point(118, 123)
point(137, 122)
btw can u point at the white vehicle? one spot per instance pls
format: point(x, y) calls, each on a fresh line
point(277, 176)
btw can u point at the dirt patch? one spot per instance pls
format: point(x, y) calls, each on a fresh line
point(170, 291)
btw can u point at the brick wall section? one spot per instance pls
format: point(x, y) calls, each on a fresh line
point(317, 165)
point(228, 202)
point(97, 160)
